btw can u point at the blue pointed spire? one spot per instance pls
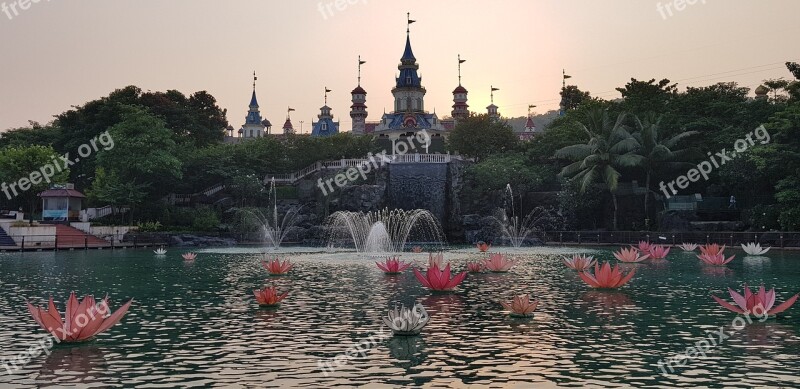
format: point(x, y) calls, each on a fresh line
point(253, 100)
point(408, 54)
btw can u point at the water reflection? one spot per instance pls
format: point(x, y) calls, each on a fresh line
point(74, 364)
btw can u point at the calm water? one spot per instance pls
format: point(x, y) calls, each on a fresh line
point(198, 325)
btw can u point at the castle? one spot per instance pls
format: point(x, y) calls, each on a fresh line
point(405, 120)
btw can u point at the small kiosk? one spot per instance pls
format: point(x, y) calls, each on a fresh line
point(61, 203)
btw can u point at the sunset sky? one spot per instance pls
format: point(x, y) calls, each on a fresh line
point(60, 53)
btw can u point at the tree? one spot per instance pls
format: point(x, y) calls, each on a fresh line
point(143, 157)
point(775, 85)
point(24, 168)
point(572, 97)
point(479, 136)
point(645, 96)
point(659, 152)
point(35, 134)
point(610, 147)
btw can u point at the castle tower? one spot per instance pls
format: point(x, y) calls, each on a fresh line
point(253, 126)
point(408, 93)
point(492, 109)
point(460, 107)
point(358, 111)
point(288, 128)
point(325, 126)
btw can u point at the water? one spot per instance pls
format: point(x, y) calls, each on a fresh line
point(197, 324)
point(385, 231)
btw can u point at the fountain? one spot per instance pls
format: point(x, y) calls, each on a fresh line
point(518, 231)
point(384, 231)
point(273, 228)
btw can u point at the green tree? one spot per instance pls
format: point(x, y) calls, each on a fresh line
point(35, 134)
point(572, 97)
point(479, 136)
point(610, 147)
point(24, 168)
point(660, 152)
point(143, 157)
point(646, 96)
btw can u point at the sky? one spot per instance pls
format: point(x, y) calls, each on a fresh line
point(55, 54)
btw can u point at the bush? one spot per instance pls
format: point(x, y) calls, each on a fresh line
point(205, 220)
point(150, 227)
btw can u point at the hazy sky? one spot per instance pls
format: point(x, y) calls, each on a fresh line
point(60, 53)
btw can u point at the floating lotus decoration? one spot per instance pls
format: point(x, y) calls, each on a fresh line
point(439, 280)
point(160, 251)
point(499, 263)
point(521, 306)
point(606, 277)
point(580, 262)
point(759, 303)
point(269, 297)
point(436, 260)
point(393, 265)
point(630, 255)
point(689, 246)
point(712, 249)
point(189, 256)
point(407, 321)
point(416, 249)
point(716, 259)
point(644, 246)
point(483, 246)
point(276, 267)
point(475, 267)
point(83, 320)
point(754, 249)
point(659, 252)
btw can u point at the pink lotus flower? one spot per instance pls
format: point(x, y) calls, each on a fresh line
point(269, 297)
point(580, 262)
point(189, 256)
point(474, 267)
point(483, 246)
point(630, 255)
point(712, 249)
point(416, 249)
point(84, 320)
point(436, 260)
point(758, 303)
point(276, 267)
point(715, 260)
point(439, 280)
point(606, 277)
point(498, 263)
point(521, 306)
point(644, 246)
point(393, 265)
point(659, 252)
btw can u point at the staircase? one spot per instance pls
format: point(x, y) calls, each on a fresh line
point(69, 237)
point(5, 240)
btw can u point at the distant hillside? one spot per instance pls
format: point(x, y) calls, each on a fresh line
point(541, 121)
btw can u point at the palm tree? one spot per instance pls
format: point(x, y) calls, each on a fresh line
point(610, 147)
point(659, 153)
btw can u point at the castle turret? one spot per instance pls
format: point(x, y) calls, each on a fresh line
point(492, 109)
point(358, 111)
point(460, 107)
point(253, 126)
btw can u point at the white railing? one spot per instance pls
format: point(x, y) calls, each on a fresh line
point(291, 178)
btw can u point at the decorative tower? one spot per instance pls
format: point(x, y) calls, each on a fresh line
point(325, 126)
point(529, 126)
point(358, 111)
point(288, 128)
point(408, 93)
point(253, 126)
point(460, 107)
point(494, 115)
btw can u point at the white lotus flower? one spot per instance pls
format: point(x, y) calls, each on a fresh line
point(689, 246)
point(160, 251)
point(407, 321)
point(754, 249)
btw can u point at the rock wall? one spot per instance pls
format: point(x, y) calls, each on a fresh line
point(420, 186)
